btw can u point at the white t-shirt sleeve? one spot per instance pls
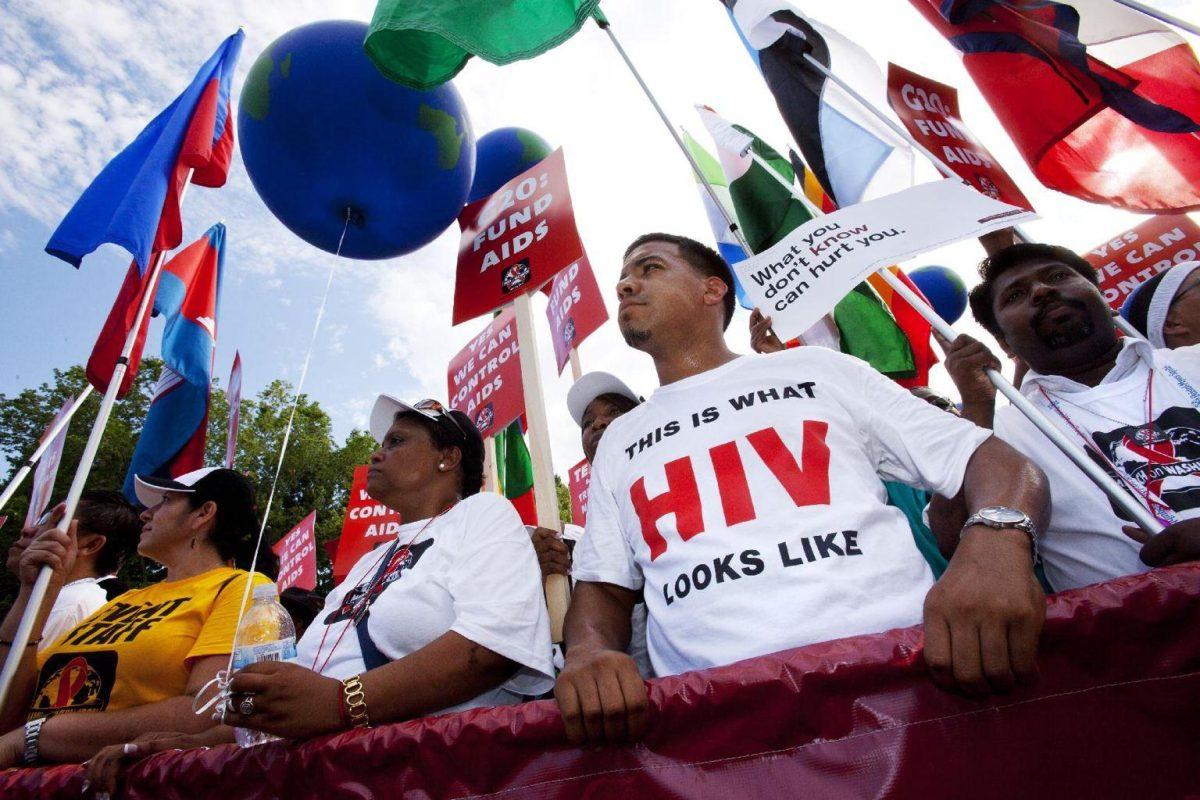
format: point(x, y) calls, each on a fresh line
point(910, 440)
point(73, 606)
point(496, 586)
point(603, 554)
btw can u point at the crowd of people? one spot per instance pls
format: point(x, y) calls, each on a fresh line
point(751, 504)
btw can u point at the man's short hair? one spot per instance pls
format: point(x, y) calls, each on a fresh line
point(704, 259)
point(1016, 255)
point(110, 515)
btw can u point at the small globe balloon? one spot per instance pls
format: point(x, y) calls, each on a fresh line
point(503, 154)
point(944, 290)
point(326, 137)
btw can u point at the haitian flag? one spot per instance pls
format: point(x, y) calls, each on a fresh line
point(854, 155)
point(134, 201)
point(1102, 101)
point(173, 437)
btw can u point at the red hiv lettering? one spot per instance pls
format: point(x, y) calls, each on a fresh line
point(682, 498)
point(736, 501)
point(807, 483)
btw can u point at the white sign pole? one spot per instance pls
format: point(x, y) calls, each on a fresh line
point(576, 370)
point(558, 592)
point(44, 445)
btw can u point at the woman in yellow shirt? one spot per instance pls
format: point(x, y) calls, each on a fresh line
point(136, 663)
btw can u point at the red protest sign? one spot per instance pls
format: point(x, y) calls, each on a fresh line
point(47, 467)
point(577, 481)
point(929, 110)
point(234, 394)
point(368, 523)
point(484, 379)
point(1140, 253)
point(297, 554)
point(516, 239)
point(575, 310)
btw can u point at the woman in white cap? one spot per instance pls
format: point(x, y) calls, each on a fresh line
point(594, 401)
point(1166, 308)
point(136, 663)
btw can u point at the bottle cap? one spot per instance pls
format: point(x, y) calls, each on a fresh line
point(265, 590)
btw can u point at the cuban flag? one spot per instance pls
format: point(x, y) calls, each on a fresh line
point(1102, 101)
point(174, 434)
point(134, 201)
point(854, 155)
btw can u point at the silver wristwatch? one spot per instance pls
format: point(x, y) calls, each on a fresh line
point(1004, 517)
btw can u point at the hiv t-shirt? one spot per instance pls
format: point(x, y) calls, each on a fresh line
point(1143, 431)
point(140, 646)
point(748, 501)
point(471, 570)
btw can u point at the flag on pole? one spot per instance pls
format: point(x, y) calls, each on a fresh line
point(853, 154)
point(1102, 101)
point(514, 467)
point(47, 467)
point(107, 350)
point(767, 212)
point(423, 44)
point(234, 395)
point(134, 201)
point(727, 244)
point(173, 437)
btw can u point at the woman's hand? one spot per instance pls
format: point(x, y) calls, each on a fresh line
point(762, 336)
point(286, 700)
point(52, 548)
point(12, 748)
point(107, 768)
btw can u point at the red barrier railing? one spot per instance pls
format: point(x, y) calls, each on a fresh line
point(1115, 713)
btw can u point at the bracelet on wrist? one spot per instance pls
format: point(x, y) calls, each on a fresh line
point(33, 740)
point(354, 703)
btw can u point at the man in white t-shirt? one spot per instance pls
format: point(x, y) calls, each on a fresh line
point(1132, 407)
point(108, 531)
point(746, 497)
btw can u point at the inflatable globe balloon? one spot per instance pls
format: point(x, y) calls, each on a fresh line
point(503, 154)
point(324, 134)
point(943, 289)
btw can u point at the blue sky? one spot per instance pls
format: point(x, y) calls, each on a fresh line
point(79, 79)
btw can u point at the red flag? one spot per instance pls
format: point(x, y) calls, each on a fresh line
point(107, 350)
point(1102, 101)
point(235, 409)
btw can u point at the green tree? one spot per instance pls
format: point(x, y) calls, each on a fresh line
point(316, 471)
point(564, 499)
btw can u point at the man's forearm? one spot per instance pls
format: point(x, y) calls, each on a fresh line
point(946, 518)
point(598, 618)
point(998, 475)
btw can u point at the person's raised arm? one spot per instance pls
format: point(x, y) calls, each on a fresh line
point(600, 692)
point(984, 616)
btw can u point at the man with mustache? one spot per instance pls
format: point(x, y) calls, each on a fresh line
point(746, 497)
point(1131, 406)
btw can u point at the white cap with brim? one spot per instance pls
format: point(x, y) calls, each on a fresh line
point(591, 386)
point(385, 411)
point(150, 490)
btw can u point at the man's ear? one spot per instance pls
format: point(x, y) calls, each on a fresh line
point(91, 543)
point(715, 290)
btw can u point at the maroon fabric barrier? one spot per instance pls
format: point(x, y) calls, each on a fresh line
point(1115, 713)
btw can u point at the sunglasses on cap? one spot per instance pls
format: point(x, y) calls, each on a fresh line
point(434, 410)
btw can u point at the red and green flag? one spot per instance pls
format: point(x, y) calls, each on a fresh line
point(515, 470)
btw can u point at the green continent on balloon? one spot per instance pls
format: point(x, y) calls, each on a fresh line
point(533, 147)
point(285, 66)
point(445, 132)
point(256, 94)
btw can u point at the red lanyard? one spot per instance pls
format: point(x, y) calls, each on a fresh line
point(1152, 501)
point(360, 607)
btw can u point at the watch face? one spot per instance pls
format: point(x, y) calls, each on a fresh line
point(1002, 515)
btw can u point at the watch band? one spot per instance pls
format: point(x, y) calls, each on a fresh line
point(33, 738)
point(1026, 526)
point(354, 702)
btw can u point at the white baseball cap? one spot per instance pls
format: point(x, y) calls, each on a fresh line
point(591, 386)
point(387, 407)
point(150, 490)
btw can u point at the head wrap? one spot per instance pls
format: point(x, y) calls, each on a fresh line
point(1147, 306)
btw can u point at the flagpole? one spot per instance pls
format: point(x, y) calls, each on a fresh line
point(42, 447)
point(733, 226)
point(1069, 448)
point(1161, 16)
point(558, 591)
point(491, 477)
point(38, 593)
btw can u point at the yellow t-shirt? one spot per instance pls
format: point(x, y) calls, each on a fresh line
point(138, 648)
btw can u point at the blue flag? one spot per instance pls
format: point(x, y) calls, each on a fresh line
point(134, 201)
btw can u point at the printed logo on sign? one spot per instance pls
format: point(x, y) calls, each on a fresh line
point(988, 187)
point(487, 416)
point(568, 332)
point(74, 682)
point(515, 276)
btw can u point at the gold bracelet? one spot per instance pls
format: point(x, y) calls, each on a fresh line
point(355, 702)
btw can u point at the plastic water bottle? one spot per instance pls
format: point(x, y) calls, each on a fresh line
point(266, 634)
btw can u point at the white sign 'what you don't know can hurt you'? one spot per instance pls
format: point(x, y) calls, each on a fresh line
point(803, 277)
